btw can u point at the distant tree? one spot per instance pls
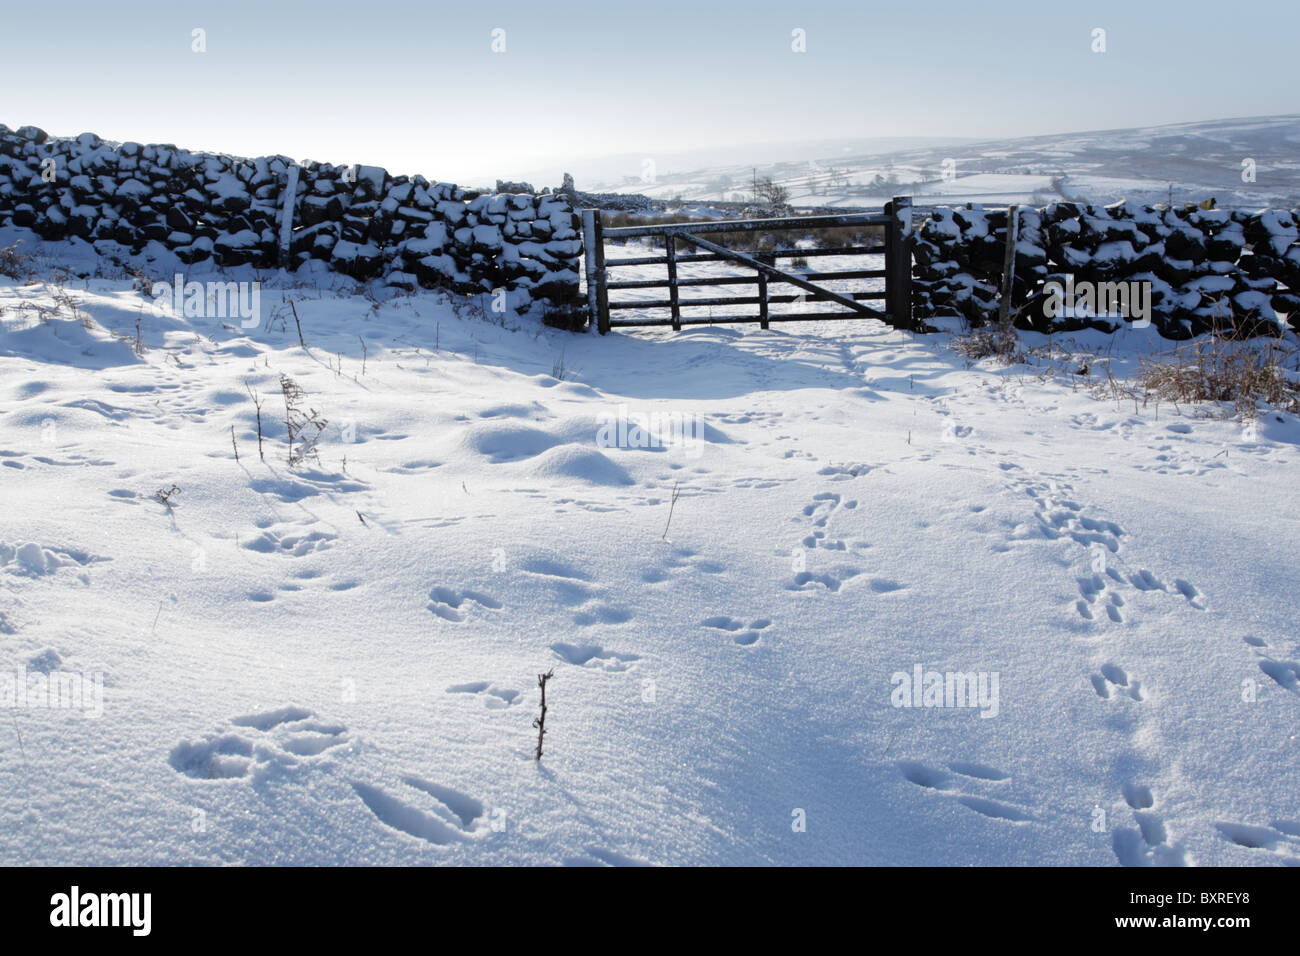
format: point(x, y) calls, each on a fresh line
point(771, 195)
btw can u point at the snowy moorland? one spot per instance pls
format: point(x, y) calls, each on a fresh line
point(1183, 162)
point(337, 662)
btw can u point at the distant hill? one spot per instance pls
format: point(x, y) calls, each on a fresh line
point(1191, 161)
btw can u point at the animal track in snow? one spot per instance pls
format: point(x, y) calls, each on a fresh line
point(740, 632)
point(550, 568)
point(823, 506)
point(417, 467)
point(1285, 673)
point(255, 743)
point(685, 559)
point(1147, 844)
point(1138, 796)
point(818, 539)
point(493, 697)
point(255, 746)
point(1188, 591)
point(940, 781)
point(576, 589)
point(1282, 840)
point(845, 472)
point(599, 857)
point(680, 562)
point(1101, 589)
point(1114, 679)
point(269, 720)
point(448, 604)
point(598, 612)
point(831, 580)
point(286, 540)
point(74, 461)
point(1144, 580)
point(593, 656)
point(821, 509)
point(978, 770)
point(451, 815)
point(1092, 590)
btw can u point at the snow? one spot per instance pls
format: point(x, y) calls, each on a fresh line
point(337, 663)
point(1185, 162)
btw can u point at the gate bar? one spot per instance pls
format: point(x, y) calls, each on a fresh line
point(773, 271)
point(875, 250)
point(736, 319)
point(744, 280)
point(726, 300)
point(751, 225)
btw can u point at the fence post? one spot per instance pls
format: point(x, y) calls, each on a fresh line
point(594, 247)
point(670, 247)
point(898, 261)
point(602, 274)
point(286, 214)
point(1008, 267)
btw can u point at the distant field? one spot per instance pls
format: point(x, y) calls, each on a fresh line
point(1185, 162)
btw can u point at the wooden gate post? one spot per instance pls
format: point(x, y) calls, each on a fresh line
point(670, 248)
point(286, 215)
point(1008, 267)
point(898, 261)
point(593, 241)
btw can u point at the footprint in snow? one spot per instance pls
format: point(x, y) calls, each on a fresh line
point(439, 816)
point(451, 605)
point(1114, 679)
point(255, 743)
point(493, 697)
point(593, 656)
point(1148, 844)
point(745, 635)
point(1281, 841)
point(941, 782)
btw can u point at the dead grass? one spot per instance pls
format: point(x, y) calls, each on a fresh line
point(990, 342)
point(1243, 373)
point(13, 264)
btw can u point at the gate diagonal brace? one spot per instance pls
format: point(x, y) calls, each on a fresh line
point(780, 274)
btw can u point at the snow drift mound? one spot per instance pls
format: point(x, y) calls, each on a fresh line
point(584, 464)
point(505, 441)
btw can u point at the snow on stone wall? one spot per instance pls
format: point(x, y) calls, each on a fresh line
point(1235, 269)
point(360, 220)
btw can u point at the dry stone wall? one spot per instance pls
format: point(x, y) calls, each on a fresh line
point(404, 231)
point(1207, 268)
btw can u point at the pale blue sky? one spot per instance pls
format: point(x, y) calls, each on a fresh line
point(416, 86)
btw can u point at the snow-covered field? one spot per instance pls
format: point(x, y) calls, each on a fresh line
point(338, 663)
point(1184, 162)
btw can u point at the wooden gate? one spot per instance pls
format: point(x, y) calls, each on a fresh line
point(896, 298)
